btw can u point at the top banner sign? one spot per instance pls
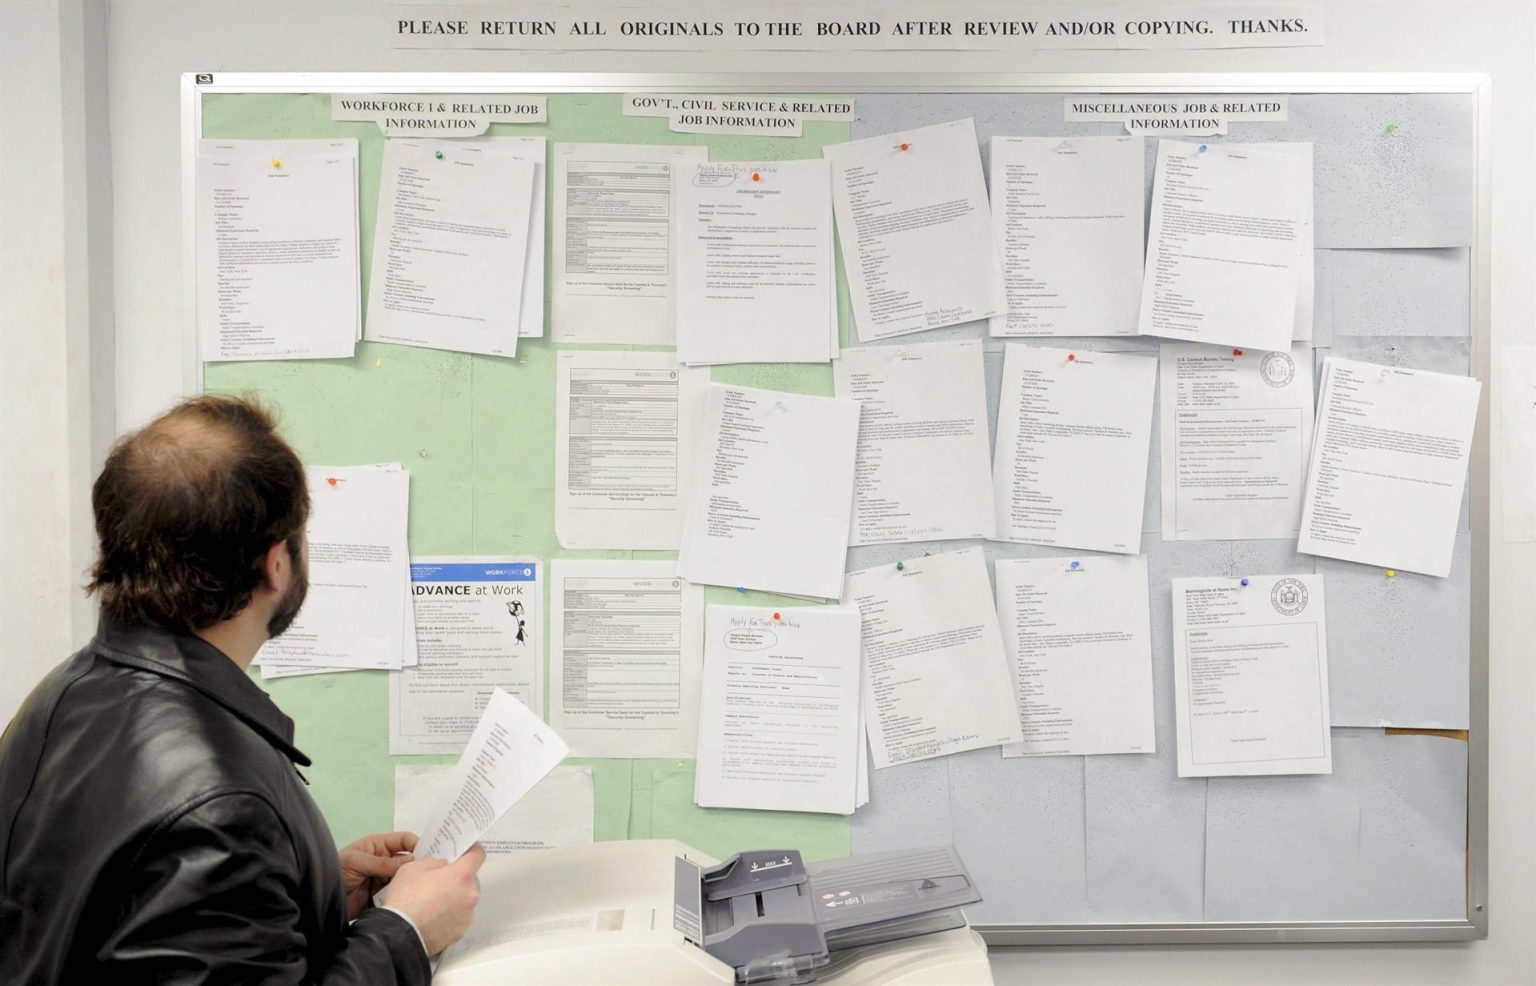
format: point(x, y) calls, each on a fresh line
point(960, 26)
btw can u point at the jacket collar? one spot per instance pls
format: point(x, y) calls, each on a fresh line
point(201, 665)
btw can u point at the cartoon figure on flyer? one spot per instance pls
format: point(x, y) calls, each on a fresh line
point(515, 608)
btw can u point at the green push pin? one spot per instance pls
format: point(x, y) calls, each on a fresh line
point(439, 154)
point(1391, 128)
point(901, 566)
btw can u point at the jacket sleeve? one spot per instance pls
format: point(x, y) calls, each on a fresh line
point(213, 899)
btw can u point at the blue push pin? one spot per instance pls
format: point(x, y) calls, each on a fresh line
point(1243, 582)
point(1076, 565)
point(1202, 148)
point(741, 588)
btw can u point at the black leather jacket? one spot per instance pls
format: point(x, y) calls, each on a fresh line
point(154, 828)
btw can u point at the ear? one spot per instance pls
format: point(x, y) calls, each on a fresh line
point(277, 567)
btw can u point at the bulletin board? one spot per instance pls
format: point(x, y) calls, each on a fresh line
point(1105, 849)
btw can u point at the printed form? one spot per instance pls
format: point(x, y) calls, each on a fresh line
point(557, 812)
point(612, 242)
point(477, 629)
point(779, 710)
point(624, 658)
point(1074, 429)
point(1225, 245)
point(509, 752)
point(916, 230)
point(1236, 430)
point(1250, 668)
point(1078, 637)
point(755, 279)
point(626, 427)
point(936, 676)
point(277, 249)
point(450, 251)
point(772, 493)
point(922, 471)
point(355, 614)
point(1389, 462)
point(1068, 213)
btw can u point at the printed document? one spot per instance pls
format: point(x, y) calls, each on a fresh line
point(755, 279)
point(626, 430)
point(450, 250)
point(1078, 637)
point(277, 249)
point(779, 710)
point(1251, 676)
point(557, 812)
point(612, 242)
point(1388, 465)
point(922, 472)
point(625, 653)
point(477, 629)
point(1073, 433)
point(916, 230)
point(1225, 245)
point(1306, 286)
point(1236, 429)
point(936, 676)
point(355, 613)
point(509, 752)
point(772, 492)
point(1068, 214)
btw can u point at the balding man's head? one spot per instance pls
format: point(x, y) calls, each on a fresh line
point(187, 507)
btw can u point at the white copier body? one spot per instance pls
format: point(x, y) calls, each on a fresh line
point(602, 913)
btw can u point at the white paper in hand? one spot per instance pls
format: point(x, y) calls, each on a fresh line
point(511, 751)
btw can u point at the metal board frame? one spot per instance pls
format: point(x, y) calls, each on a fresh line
point(1477, 85)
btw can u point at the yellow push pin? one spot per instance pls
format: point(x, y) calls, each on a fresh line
point(1391, 573)
point(276, 163)
point(378, 361)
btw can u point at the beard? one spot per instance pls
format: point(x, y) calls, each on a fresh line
point(293, 600)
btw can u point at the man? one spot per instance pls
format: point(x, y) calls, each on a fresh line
point(154, 826)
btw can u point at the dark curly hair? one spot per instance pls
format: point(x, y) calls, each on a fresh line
point(186, 507)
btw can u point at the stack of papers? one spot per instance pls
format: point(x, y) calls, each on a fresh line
point(1068, 213)
point(477, 629)
point(1073, 433)
point(1250, 670)
point(277, 254)
point(916, 230)
point(772, 492)
point(779, 712)
point(358, 612)
point(1229, 245)
point(936, 677)
point(1388, 465)
point(453, 250)
point(613, 265)
point(557, 811)
point(755, 280)
point(922, 472)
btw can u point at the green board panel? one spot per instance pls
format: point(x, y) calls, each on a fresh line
point(478, 436)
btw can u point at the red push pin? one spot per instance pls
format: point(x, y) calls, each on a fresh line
point(331, 480)
point(776, 617)
point(1071, 357)
point(756, 176)
point(1237, 352)
point(905, 146)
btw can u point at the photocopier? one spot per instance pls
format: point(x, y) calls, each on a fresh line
point(658, 911)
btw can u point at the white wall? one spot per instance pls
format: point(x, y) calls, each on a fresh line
point(56, 377)
point(151, 41)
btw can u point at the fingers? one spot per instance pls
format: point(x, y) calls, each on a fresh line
point(376, 866)
point(387, 843)
point(473, 857)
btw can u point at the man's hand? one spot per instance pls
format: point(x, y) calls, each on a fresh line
point(368, 865)
point(439, 896)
